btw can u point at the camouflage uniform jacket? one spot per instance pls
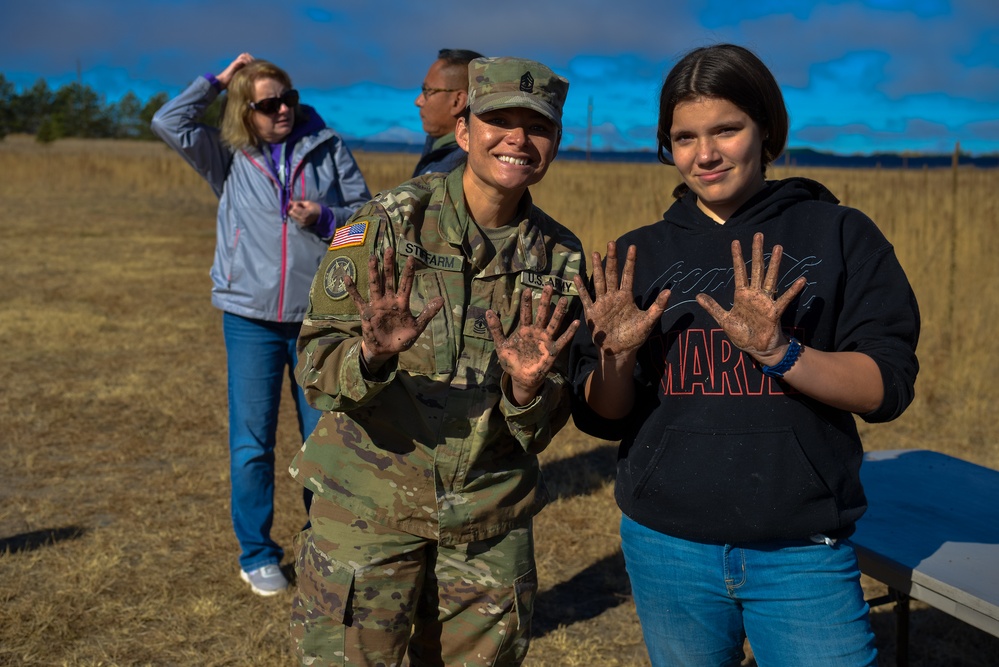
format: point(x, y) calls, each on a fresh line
point(433, 446)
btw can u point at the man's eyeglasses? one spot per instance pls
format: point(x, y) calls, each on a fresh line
point(427, 91)
point(271, 105)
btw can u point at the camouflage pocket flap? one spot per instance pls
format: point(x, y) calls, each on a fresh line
point(325, 585)
point(525, 590)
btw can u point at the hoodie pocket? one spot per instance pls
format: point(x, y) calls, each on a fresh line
point(731, 486)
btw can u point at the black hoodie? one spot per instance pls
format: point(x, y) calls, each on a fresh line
point(714, 450)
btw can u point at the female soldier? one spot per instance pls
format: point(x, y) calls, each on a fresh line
point(434, 346)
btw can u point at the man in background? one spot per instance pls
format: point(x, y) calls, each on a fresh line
point(443, 97)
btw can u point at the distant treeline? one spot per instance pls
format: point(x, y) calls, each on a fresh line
point(76, 110)
point(807, 157)
point(796, 157)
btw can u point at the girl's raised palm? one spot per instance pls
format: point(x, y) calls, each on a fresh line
point(616, 323)
point(753, 323)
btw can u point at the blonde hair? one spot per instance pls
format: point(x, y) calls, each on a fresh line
point(237, 128)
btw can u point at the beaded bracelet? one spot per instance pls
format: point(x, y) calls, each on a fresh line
point(784, 365)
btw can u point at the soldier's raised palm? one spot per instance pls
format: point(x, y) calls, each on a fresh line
point(387, 324)
point(532, 348)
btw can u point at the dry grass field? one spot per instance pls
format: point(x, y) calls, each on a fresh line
point(115, 544)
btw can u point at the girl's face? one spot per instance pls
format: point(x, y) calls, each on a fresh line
point(717, 148)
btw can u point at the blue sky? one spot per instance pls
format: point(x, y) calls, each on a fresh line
point(859, 76)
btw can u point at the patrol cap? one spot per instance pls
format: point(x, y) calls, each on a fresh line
point(502, 83)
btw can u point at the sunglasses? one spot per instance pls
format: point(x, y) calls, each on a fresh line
point(271, 105)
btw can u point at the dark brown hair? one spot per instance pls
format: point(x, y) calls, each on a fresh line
point(728, 72)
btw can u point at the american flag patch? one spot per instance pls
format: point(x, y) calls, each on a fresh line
point(348, 236)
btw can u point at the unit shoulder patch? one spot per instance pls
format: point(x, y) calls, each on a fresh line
point(333, 278)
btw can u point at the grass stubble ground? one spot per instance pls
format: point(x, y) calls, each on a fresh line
point(115, 542)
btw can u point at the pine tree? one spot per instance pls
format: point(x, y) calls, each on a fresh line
point(7, 95)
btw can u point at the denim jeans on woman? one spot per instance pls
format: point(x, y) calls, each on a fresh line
point(799, 602)
point(260, 355)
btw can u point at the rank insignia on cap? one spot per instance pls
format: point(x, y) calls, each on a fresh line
point(348, 236)
point(333, 279)
point(527, 82)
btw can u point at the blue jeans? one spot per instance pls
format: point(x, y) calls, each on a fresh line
point(259, 354)
point(799, 603)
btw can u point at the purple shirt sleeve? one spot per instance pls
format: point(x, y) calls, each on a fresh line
point(215, 82)
point(326, 223)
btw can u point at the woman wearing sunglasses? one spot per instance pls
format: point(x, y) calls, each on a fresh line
point(285, 182)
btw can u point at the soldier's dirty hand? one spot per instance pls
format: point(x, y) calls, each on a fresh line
point(387, 325)
point(617, 325)
point(531, 350)
point(753, 324)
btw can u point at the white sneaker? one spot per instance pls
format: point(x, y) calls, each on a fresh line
point(266, 580)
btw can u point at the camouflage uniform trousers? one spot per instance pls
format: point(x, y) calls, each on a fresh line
point(367, 592)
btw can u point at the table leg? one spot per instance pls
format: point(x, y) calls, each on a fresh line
point(901, 601)
point(901, 628)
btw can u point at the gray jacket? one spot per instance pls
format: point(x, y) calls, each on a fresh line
point(264, 262)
